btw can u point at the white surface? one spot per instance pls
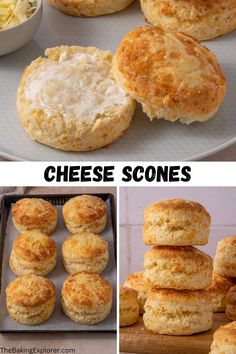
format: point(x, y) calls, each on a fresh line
point(219, 201)
point(58, 321)
point(159, 140)
point(15, 37)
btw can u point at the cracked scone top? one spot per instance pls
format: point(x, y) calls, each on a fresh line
point(69, 100)
point(202, 19)
point(86, 297)
point(172, 75)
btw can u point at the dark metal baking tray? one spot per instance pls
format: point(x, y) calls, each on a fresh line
point(58, 322)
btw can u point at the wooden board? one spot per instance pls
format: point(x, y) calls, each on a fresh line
point(136, 339)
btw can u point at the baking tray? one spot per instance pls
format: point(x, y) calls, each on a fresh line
point(58, 322)
point(145, 141)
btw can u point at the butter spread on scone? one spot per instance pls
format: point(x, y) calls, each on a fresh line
point(70, 100)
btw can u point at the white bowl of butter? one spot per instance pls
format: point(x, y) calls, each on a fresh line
point(19, 20)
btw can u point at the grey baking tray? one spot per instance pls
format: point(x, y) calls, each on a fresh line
point(145, 140)
point(58, 322)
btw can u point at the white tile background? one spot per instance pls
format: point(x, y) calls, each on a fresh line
point(219, 201)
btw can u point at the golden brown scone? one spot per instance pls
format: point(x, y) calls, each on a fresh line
point(85, 251)
point(70, 100)
point(231, 303)
point(224, 340)
point(33, 253)
point(176, 222)
point(178, 267)
point(218, 291)
point(34, 214)
point(171, 74)
point(225, 259)
point(177, 312)
point(86, 298)
point(85, 213)
point(138, 282)
point(90, 7)
point(30, 299)
point(129, 306)
point(202, 19)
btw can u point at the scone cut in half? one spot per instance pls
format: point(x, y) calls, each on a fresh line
point(69, 100)
point(231, 304)
point(85, 251)
point(224, 340)
point(178, 312)
point(201, 19)
point(30, 299)
point(90, 8)
point(176, 222)
point(33, 253)
point(86, 298)
point(178, 267)
point(34, 214)
point(138, 282)
point(218, 291)
point(172, 75)
point(225, 258)
point(129, 306)
point(85, 213)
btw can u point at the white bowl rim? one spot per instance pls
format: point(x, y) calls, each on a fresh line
point(39, 5)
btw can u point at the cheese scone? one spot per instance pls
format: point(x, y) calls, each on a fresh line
point(85, 213)
point(218, 291)
point(85, 251)
point(172, 75)
point(90, 8)
point(178, 312)
point(176, 222)
point(34, 214)
point(202, 19)
point(33, 253)
point(129, 306)
point(225, 258)
point(86, 298)
point(30, 299)
point(138, 282)
point(182, 267)
point(70, 100)
point(224, 340)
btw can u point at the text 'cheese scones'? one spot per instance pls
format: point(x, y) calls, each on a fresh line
point(34, 214)
point(138, 282)
point(201, 19)
point(90, 7)
point(224, 340)
point(171, 74)
point(30, 299)
point(33, 253)
point(225, 259)
point(176, 222)
point(129, 306)
point(86, 298)
point(85, 213)
point(70, 100)
point(177, 312)
point(178, 267)
point(85, 251)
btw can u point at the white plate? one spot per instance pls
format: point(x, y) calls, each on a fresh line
point(145, 140)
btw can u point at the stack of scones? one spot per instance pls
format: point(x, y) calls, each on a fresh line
point(171, 290)
point(86, 296)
